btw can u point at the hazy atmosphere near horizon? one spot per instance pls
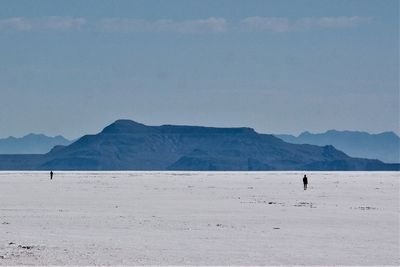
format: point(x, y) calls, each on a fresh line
point(73, 67)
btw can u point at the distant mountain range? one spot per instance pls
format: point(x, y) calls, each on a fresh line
point(384, 146)
point(128, 145)
point(31, 144)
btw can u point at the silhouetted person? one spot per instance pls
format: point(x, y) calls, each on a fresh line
point(51, 175)
point(305, 182)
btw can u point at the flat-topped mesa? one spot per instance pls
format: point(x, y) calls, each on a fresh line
point(132, 127)
point(182, 129)
point(128, 145)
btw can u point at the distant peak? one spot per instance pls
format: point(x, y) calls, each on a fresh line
point(127, 121)
point(43, 136)
point(34, 135)
point(125, 126)
point(306, 133)
point(365, 133)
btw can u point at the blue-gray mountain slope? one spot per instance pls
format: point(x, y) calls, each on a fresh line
point(384, 146)
point(128, 145)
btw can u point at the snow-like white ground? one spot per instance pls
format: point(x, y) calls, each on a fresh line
point(199, 218)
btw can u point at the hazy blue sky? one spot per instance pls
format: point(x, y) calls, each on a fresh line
point(72, 67)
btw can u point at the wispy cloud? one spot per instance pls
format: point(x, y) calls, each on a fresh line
point(209, 25)
point(197, 26)
point(265, 24)
point(331, 22)
point(41, 24)
point(283, 24)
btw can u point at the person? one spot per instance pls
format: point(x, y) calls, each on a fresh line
point(51, 175)
point(305, 182)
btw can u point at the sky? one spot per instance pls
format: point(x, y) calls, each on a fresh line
point(73, 67)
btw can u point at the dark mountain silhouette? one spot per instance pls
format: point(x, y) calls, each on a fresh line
point(128, 145)
point(384, 146)
point(31, 144)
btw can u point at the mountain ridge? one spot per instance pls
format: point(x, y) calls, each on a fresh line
point(129, 145)
point(31, 143)
point(384, 146)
